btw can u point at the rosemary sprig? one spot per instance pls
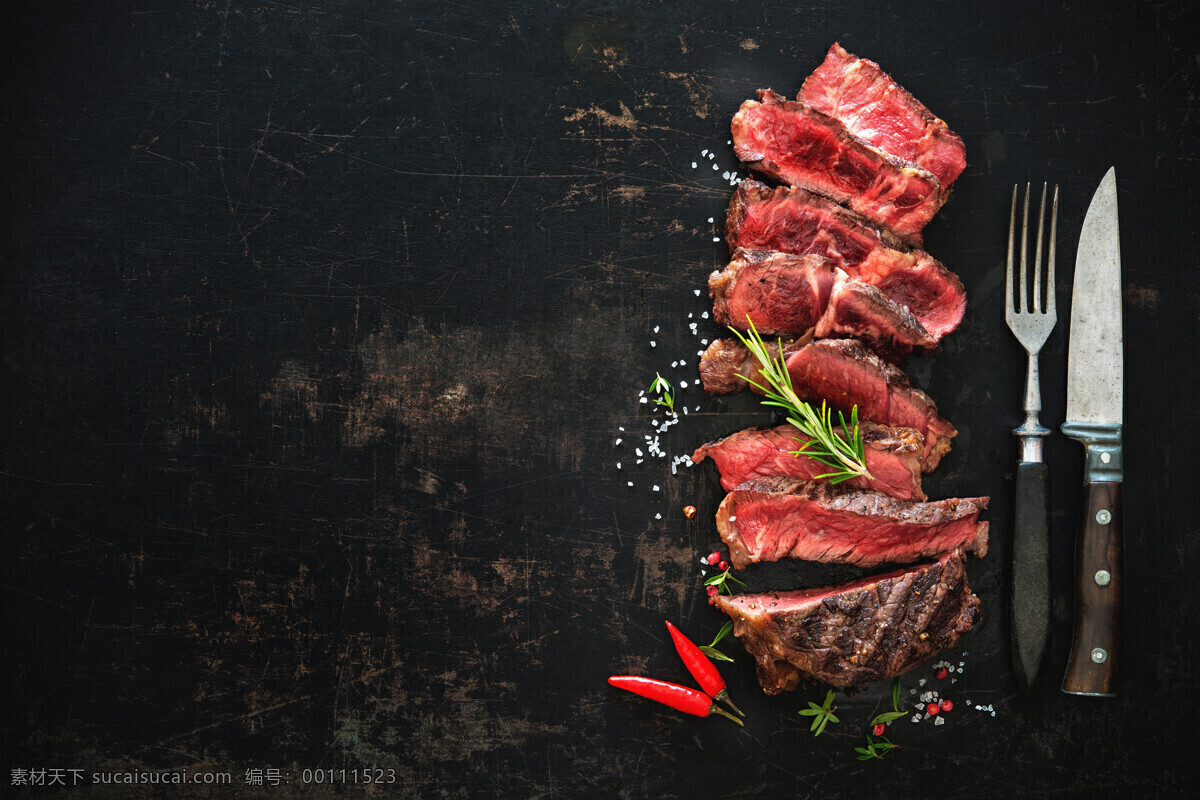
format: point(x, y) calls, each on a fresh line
point(711, 650)
point(821, 714)
point(662, 385)
point(874, 749)
point(895, 713)
point(722, 580)
point(845, 454)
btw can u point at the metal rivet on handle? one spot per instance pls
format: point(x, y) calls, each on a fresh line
point(1102, 577)
point(1099, 655)
point(1103, 516)
point(1105, 457)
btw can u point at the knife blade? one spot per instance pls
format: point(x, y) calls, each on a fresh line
point(1095, 395)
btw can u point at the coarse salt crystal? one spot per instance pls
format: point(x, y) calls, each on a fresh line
point(618, 465)
point(704, 152)
point(640, 460)
point(617, 442)
point(658, 516)
point(656, 487)
point(716, 167)
point(683, 384)
point(916, 717)
point(674, 364)
point(629, 483)
point(682, 363)
point(638, 450)
point(710, 219)
point(696, 291)
point(919, 683)
point(704, 315)
point(711, 156)
point(643, 400)
point(940, 721)
point(620, 428)
point(716, 238)
point(653, 343)
point(656, 329)
point(729, 141)
point(693, 165)
point(702, 341)
point(724, 175)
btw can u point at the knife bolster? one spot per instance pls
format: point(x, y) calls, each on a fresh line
point(1102, 444)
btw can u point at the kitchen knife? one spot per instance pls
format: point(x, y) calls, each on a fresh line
point(1095, 373)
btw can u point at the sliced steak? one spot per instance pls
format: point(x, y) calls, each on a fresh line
point(893, 458)
point(860, 310)
point(777, 517)
point(872, 629)
point(793, 143)
point(779, 292)
point(876, 109)
point(844, 373)
point(793, 220)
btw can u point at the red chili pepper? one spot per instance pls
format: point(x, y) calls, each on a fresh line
point(701, 668)
point(680, 698)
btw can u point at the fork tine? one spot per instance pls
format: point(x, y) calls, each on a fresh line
point(1008, 274)
point(1037, 255)
point(1023, 299)
point(1050, 256)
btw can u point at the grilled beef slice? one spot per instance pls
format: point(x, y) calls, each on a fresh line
point(872, 629)
point(777, 517)
point(893, 458)
point(793, 143)
point(844, 373)
point(860, 310)
point(876, 109)
point(779, 292)
point(793, 220)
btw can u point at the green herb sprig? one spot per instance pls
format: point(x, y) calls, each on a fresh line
point(845, 454)
point(895, 713)
point(821, 714)
point(662, 385)
point(711, 650)
point(874, 749)
point(722, 580)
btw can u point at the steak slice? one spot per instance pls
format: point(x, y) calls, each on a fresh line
point(793, 143)
point(893, 458)
point(876, 109)
point(780, 292)
point(871, 629)
point(844, 373)
point(793, 220)
point(860, 310)
point(777, 517)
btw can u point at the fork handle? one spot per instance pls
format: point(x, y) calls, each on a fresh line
point(1030, 602)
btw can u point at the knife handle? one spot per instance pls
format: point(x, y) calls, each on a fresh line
point(1030, 600)
point(1099, 585)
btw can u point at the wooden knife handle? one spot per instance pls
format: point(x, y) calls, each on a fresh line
point(1030, 600)
point(1099, 584)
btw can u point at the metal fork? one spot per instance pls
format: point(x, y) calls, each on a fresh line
point(1031, 319)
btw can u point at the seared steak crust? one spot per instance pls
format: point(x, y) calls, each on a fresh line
point(795, 144)
point(844, 373)
point(869, 630)
point(793, 220)
point(777, 517)
point(893, 458)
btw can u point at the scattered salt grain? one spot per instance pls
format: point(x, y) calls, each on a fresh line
point(617, 442)
point(716, 238)
point(716, 167)
point(683, 384)
point(638, 450)
point(685, 411)
point(656, 329)
point(674, 364)
point(658, 516)
point(916, 717)
point(656, 487)
point(618, 465)
point(640, 460)
point(725, 174)
point(704, 315)
point(940, 721)
point(702, 341)
point(643, 400)
point(729, 141)
point(693, 165)
point(710, 219)
point(682, 363)
point(919, 683)
point(711, 156)
point(620, 428)
point(696, 292)
point(653, 343)
point(704, 152)
point(629, 483)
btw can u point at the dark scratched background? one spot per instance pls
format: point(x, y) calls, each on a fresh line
point(320, 321)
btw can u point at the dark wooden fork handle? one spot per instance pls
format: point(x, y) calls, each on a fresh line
point(1031, 574)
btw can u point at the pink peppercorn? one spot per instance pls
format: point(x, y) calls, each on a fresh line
point(713, 558)
point(941, 673)
point(711, 590)
point(723, 565)
point(932, 709)
point(880, 728)
point(947, 705)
